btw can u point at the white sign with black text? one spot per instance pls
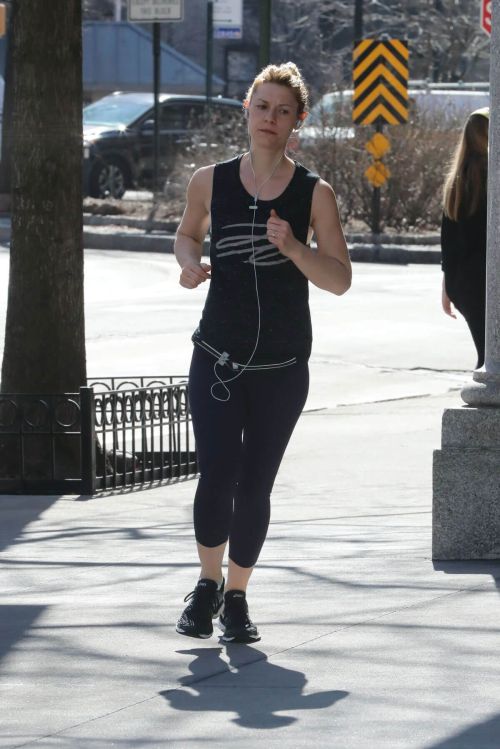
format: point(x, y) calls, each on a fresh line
point(152, 11)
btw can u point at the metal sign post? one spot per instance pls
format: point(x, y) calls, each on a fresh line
point(380, 73)
point(265, 15)
point(156, 12)
point(209, 50)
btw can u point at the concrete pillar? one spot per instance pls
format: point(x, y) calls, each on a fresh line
point(466, 479)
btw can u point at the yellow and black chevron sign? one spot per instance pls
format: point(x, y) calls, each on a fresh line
point(380, 71)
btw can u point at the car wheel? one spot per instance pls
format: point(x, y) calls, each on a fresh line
point(108, 179)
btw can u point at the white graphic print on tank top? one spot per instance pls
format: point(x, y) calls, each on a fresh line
point(241, 244)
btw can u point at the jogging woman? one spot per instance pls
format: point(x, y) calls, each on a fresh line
point(248, 380)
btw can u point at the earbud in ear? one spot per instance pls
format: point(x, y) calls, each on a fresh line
point(300, 120)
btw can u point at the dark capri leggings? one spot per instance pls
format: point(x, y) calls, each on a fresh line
point(240, 445)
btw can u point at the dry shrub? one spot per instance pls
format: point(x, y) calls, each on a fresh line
point(410, 201)
point(418, 158)
point(222, 137)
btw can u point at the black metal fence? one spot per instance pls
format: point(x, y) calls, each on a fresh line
point(114, 433)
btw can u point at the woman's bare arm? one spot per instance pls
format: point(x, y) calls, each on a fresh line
point(188, 246)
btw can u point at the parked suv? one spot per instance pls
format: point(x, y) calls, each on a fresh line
point(118, 138)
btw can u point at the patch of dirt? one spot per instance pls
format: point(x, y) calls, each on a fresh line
point(170, 210)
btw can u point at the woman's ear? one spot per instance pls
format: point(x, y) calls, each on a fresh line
point(300, 119)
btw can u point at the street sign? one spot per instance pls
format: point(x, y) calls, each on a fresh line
point(377, 173)
point(486, 16)
point(378, 145)
point(228, 19)
point(153, 11)
point(380, 73)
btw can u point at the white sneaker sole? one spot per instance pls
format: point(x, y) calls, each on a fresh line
point(247, 637)
point(189, 634)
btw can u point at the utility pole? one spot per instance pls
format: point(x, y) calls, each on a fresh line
point(209, 49)
point(358, 20)
point(358, 36)
point(156, 100)
point(265, 7)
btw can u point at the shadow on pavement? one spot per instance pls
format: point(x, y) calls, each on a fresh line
point(249, 686)
point(483, 735)
point(16, 512)
point(471, 567)
point(15, 621)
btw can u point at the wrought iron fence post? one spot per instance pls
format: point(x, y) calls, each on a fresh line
point(88, 437)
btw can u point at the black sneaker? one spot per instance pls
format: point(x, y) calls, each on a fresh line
point(234, 621)
point(205, 603)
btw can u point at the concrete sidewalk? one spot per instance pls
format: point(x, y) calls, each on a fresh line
point(366, 643)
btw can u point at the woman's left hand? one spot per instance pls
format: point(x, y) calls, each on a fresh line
point(279, 232)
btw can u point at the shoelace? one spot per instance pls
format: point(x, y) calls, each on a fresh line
point(199, 598)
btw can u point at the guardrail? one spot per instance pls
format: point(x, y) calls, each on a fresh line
point(115, 433)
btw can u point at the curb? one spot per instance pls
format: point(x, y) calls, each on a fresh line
point(127, 241)
point(395, 254)
point(131, 235)
point(398, 254)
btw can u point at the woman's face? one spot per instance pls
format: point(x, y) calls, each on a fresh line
point(272, 115)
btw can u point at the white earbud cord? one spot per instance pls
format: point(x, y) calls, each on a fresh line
point(220, 360)
point(220, 380)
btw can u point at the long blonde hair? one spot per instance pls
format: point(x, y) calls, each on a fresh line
point(465, 185)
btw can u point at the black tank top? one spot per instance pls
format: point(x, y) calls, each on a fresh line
point(229, 320)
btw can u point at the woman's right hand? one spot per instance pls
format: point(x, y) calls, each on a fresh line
point(192, 274)
point(446, 303)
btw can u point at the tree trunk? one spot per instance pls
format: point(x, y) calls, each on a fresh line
point(45, 338)
point(6, 157)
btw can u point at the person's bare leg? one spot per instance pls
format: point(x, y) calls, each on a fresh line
point(237, 577)
point(211, 561)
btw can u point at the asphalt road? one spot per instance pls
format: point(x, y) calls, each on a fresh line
point(386, 338)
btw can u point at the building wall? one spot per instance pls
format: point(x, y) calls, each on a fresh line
point(235, 60)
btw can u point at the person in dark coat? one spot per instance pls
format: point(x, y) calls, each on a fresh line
point(463, 229)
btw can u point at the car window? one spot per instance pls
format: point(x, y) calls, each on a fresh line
point(181, 116)
point(112, 110)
